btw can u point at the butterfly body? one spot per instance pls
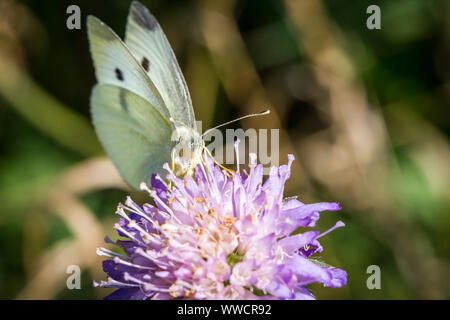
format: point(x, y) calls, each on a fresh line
point(141, 107)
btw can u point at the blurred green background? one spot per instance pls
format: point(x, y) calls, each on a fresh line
point(365, 112)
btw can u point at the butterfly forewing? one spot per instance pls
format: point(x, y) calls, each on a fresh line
point(114, 64)
point(134, 134)
point(148, 44)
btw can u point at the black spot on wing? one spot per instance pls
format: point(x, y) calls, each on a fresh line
point(123, 101)
point(119, 74)
point(145, 64)
point(142, 16)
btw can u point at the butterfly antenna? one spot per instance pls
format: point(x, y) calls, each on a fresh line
point(244, 117)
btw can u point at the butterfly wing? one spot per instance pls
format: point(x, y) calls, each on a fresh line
point(133, 133)
point(148, 44)
point(128, 112)
point(114, 64)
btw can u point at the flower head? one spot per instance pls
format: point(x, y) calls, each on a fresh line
point(219, 235)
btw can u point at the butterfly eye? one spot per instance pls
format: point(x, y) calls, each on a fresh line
point(192, 144)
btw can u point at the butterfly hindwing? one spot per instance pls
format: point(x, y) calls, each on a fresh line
point(148, 44)
point(133, 133)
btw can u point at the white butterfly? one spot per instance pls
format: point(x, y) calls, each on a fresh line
point(141, 107)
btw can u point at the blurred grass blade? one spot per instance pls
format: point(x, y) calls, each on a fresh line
point(45, 112)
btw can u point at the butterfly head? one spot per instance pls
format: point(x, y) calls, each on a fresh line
point(187, 152)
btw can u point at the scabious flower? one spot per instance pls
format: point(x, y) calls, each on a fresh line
point(219, 235)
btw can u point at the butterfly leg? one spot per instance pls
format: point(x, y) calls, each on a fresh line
point(215, 161)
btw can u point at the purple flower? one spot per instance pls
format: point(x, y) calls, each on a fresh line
point(219, 235)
